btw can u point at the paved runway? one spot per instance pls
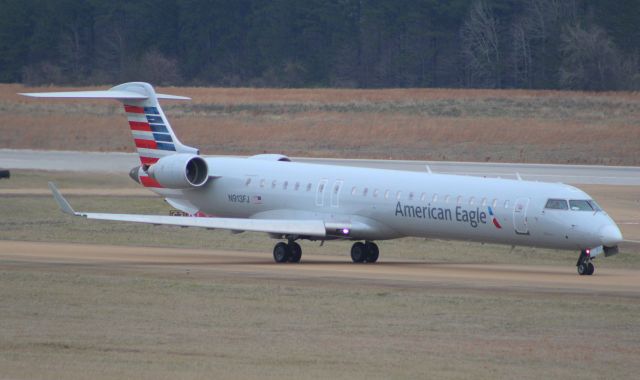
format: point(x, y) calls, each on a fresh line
point(326, 269)
point(123, 162)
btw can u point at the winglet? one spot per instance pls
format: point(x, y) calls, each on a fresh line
point(62, 203)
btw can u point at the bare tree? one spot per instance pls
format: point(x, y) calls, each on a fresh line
point(75, 43)
point(156, 68)
point(521, 56)
point(590, 60)
point(111, 48)
point(481, 47)
point(534, 41)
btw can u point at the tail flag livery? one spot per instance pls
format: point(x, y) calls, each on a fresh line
point(151, 131)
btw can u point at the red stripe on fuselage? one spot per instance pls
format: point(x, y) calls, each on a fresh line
point(149, 182)
point(148, 160)
point(139, 126)
point(496, 223)
point(147, 144)
point(133, 109)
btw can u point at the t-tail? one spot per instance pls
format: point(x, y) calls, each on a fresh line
point(152, 134)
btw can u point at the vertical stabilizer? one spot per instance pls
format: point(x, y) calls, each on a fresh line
point(152, 134)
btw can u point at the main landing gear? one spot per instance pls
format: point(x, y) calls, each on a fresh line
point(367, 252)
point(291, 252)
point(287, 252)
point(584, 264)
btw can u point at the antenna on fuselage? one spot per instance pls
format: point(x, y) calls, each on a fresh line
point(428, 169)
point(518, 176)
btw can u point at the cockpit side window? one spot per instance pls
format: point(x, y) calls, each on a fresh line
point(580, 205)
point(556, 204)
point(595, 206)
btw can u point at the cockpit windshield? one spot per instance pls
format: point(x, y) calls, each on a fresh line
point(580, 205)
point(556, 204)
point(573, 205)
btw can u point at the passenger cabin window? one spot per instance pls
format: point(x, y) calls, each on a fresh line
point(556, 204)
point(411, 196)
point(494, 204)
point(354, 190)
point(435, 198)
point(423, 197)
point(309, 187)
point(447, 198)
point(399, 195)
point(484, 202)
point(376, 192)
point(247, 182)
point(459, 200)
point(387, 193)
point(472, 201)
point(365, 191)
point(285, 185)
point(506, 204)
point(273, 184)
point(580, 205)
point(262, 181)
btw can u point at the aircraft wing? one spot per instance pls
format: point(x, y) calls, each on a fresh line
point(276, 226)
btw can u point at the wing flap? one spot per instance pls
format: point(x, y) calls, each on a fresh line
point(295, 227)
point(275, 226)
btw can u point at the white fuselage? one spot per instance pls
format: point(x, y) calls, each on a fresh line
point(375, 204)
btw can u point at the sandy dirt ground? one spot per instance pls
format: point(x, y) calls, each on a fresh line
point(208, 263)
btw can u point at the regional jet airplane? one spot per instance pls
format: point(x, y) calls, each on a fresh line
point(295, 201)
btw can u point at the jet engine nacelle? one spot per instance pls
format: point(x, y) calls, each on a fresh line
point(180, 171)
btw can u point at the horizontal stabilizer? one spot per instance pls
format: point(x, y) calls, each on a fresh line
point(109, 94)
point(273, 226)
point(62, 203)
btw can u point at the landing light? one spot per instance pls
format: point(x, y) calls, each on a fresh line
point(588, 252)
point(345, 231)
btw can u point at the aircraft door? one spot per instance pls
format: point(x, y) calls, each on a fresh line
point(335, 193)
point(520, 216)
point(320, 191)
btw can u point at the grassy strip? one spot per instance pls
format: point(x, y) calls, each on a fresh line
point(74, 322)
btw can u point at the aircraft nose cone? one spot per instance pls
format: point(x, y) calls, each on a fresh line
point(610, 235)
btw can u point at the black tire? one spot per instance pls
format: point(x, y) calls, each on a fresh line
point(373, 252)
point(582, 269)
point(281, 253)
point(295, 252)
point(5, 173)
point(590, 269)
point(358, 252)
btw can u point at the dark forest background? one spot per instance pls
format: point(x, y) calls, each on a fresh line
point(568, 44)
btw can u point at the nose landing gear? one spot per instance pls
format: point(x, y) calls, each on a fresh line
point(584, 264)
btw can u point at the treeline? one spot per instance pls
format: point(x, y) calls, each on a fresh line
point(573, 44)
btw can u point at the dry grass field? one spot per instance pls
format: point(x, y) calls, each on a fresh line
point(433, 124)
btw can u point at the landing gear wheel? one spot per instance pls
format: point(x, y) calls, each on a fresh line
point(295, 252)
point(584, 264)
point(590, 269)
point(358, 252)
point(372, 252)
point(281, 253)
point(583, 269)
